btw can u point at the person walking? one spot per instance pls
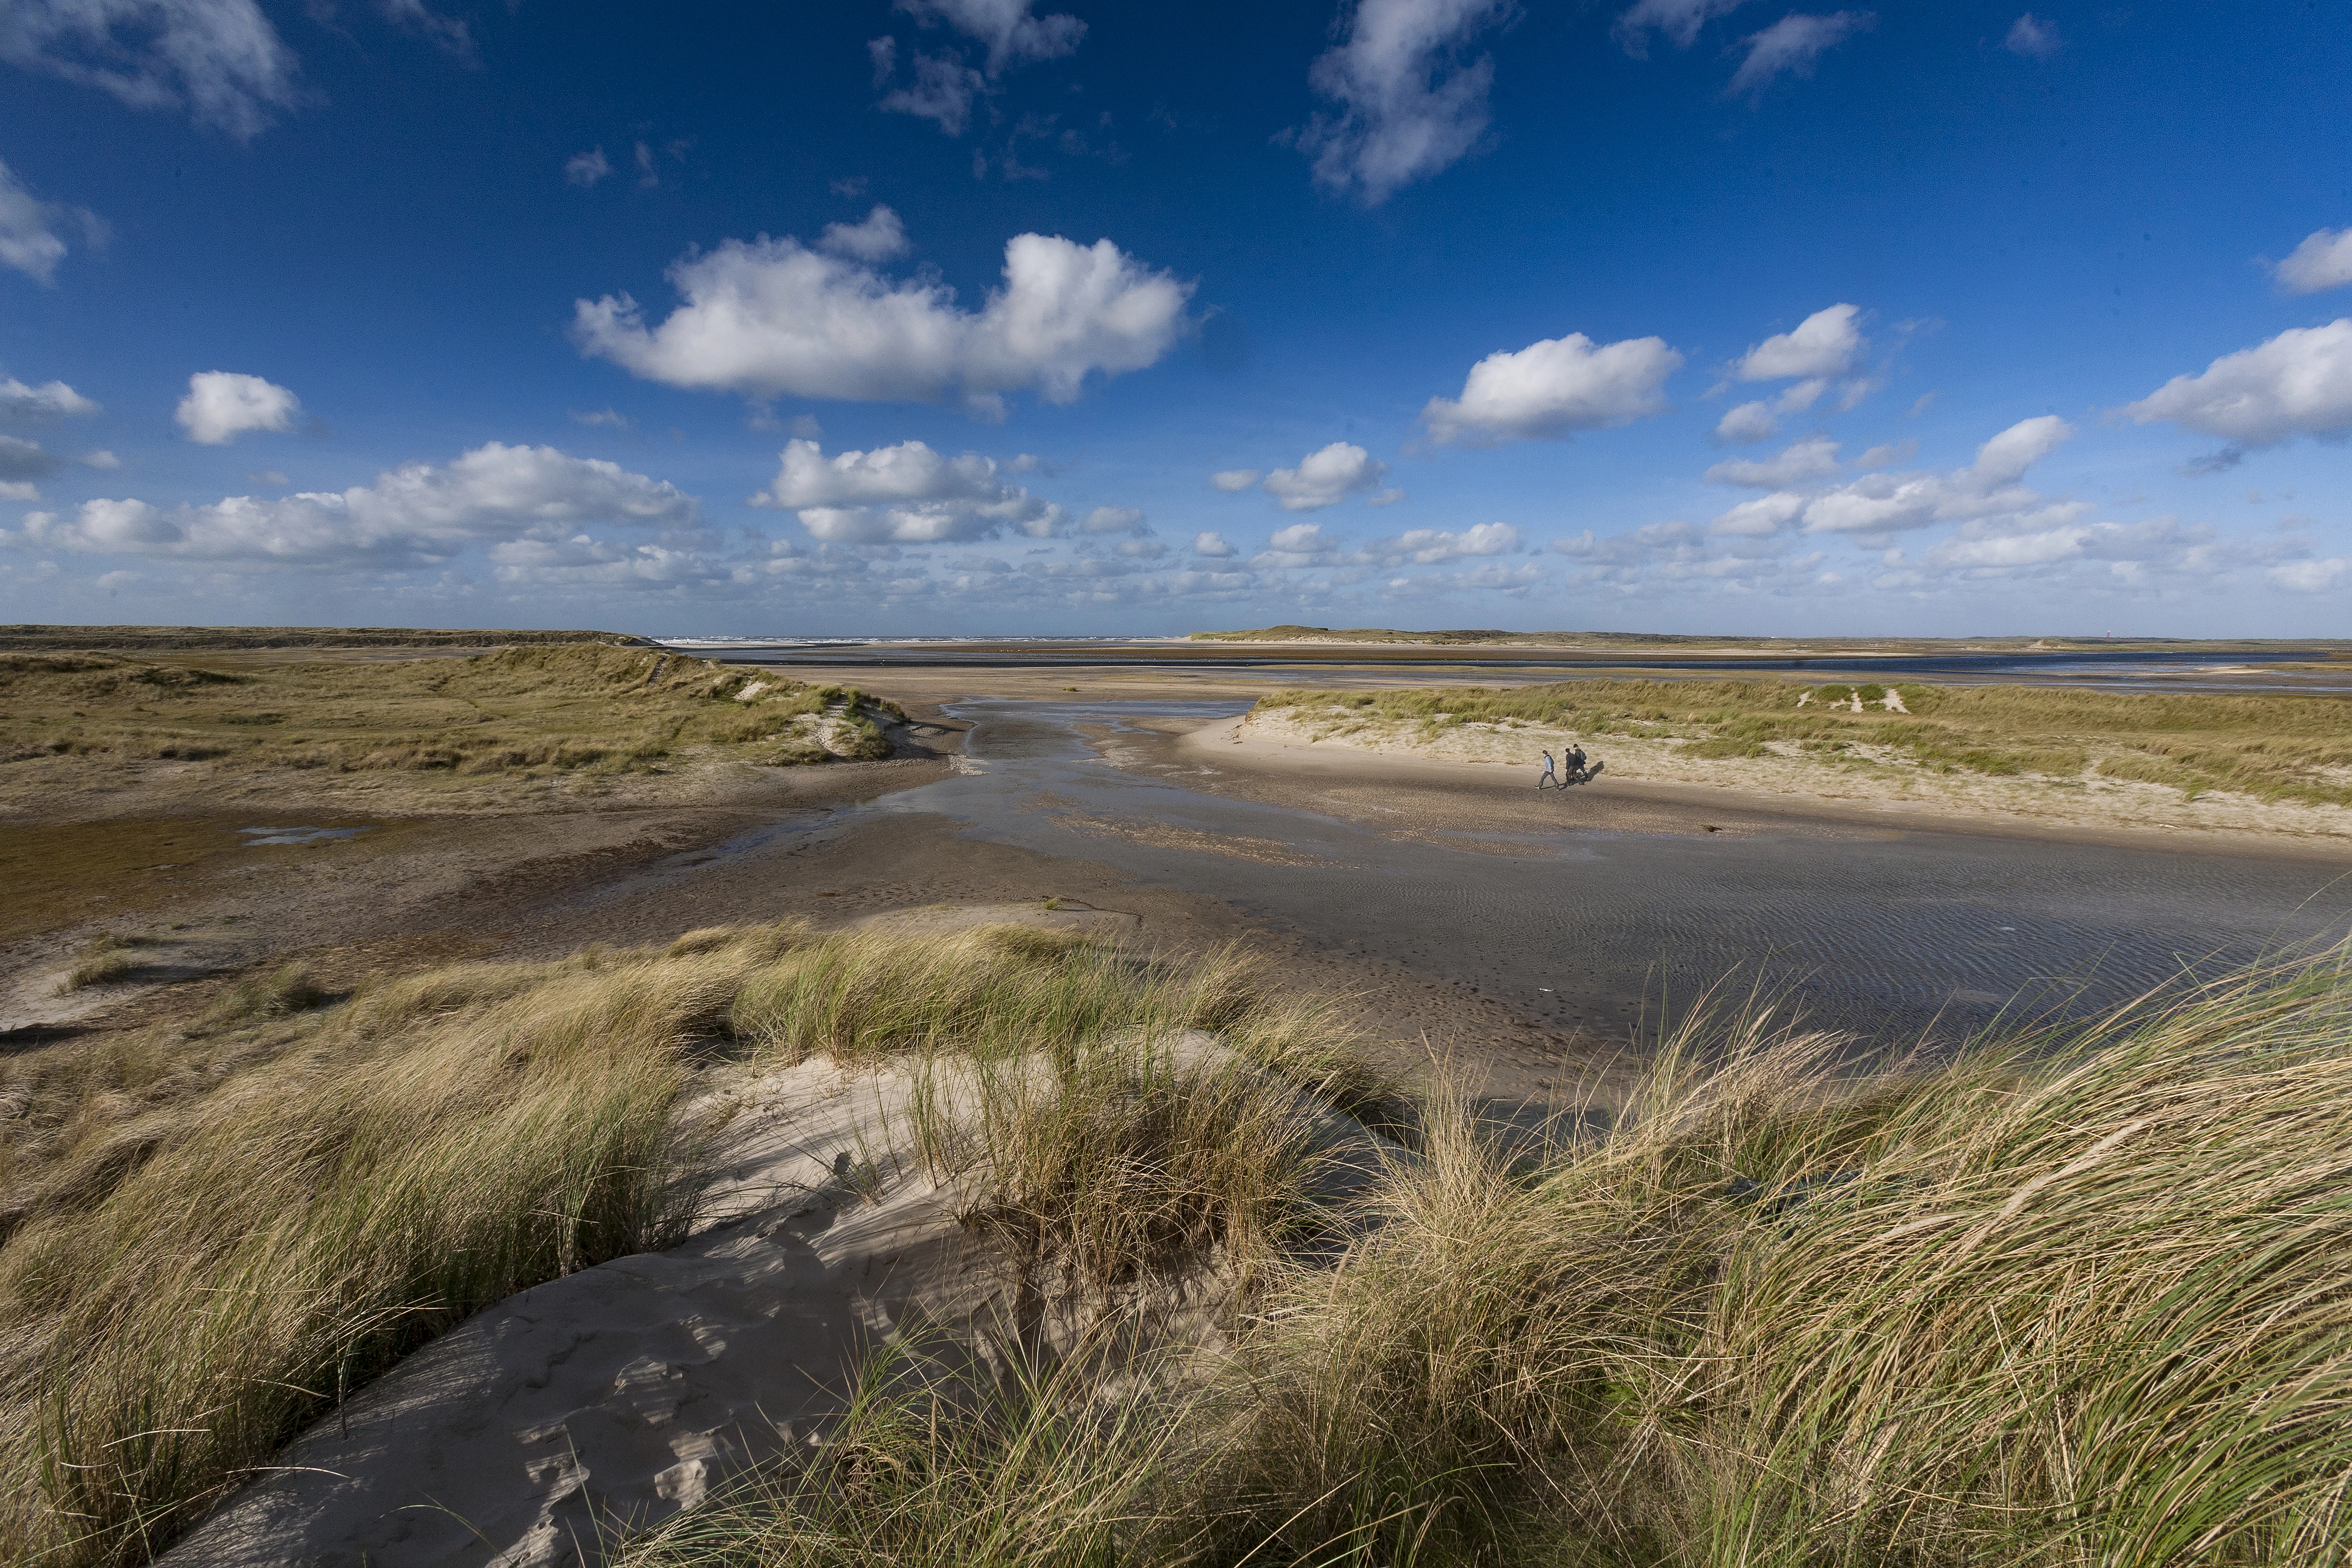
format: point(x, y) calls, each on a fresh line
point(1551, 776)
point(1576, 764)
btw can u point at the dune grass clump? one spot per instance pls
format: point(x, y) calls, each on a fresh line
point(2074, 1296)
point(102, 958)
point(205, 1247)
point(433, 1146)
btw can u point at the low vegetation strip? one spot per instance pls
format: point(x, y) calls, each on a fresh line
point(214, 1231)
point(154, 639)
point(580, 710)
point(2073, 1294)
point(2076, 1298)
point(2269, 747)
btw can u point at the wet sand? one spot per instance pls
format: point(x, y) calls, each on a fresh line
point(1465, 912)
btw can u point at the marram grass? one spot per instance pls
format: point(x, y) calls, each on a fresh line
point(2081, 1297)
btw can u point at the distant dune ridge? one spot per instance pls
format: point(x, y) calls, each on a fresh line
point(41, 638)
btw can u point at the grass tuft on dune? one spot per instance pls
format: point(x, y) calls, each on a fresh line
point(2072, 1294)
point(2074, 1298)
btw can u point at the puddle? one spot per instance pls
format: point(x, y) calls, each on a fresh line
point(256, 837)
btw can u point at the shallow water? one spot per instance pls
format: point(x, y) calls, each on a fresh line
point(1883, 931)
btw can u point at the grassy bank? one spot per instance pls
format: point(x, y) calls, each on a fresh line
point(2074, 1296)
point(2076, 1300)
point(2269, 747)
point(573, 710)
point(211, 1231)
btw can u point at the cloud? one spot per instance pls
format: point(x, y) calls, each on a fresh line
point(944, 91)
point(221, 405)
point(220, 59)
point(100, 458)
point(415, 515)
point(2296, 384)
point(1749, 422)
point(881, 237)
point(2032, 36)
point(1113, 520)
point(1886, 503)
point(1550, 389)
point(1679, 20)
point(1888, 455)
point(907, 494)
point(1800, 464)
point(1824, 344)
point(1234, 479)
point(25, 460)
point(1755, 518)
point(851, 186)
point(2215, 462)
point(772, 316)
point(449, 34)
point(1301, 544)
point(1014, 36)
point(51, 400)
point(1428, 546)
point(2324, 260)
point(1791, 45)
point(606, 418)
point(1326, 478)
point(29, 240)
point(585, 169)
point(1213, 545)
point(2310, 576)
point(1410, 107)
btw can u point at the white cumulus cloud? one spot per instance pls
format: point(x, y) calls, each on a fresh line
point(1825, 343)
point(1410, 105)
point(414, 515)
point(906, 494)
point(1299, 545)
point(585, 169)
point(1797, 465)
point(1231, 479)
point(30, 238)
point(772, 316)
point(1326, 478)
point(1551, 389)
point(1749, 422)
point(943, 92)
point(1790, 46)
point(2324, 260)
point(1989, 487)
point(219, 58)
point(1113, 520)
point(2311, 576)
point(1428, 546)
point(221, 405)
point(881, 237)
point(2296, 384)
point(51, 400)
point(1213, 545)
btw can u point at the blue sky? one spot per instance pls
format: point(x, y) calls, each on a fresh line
point(999, 316)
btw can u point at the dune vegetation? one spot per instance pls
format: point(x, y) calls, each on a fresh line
point(2073, 1294)
point(568, 711)
point(2271, 747)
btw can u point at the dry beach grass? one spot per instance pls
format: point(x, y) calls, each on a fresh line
point(2077, 1299)
point(2268, 762)
point(2074, 1295)
point(218, 1229)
